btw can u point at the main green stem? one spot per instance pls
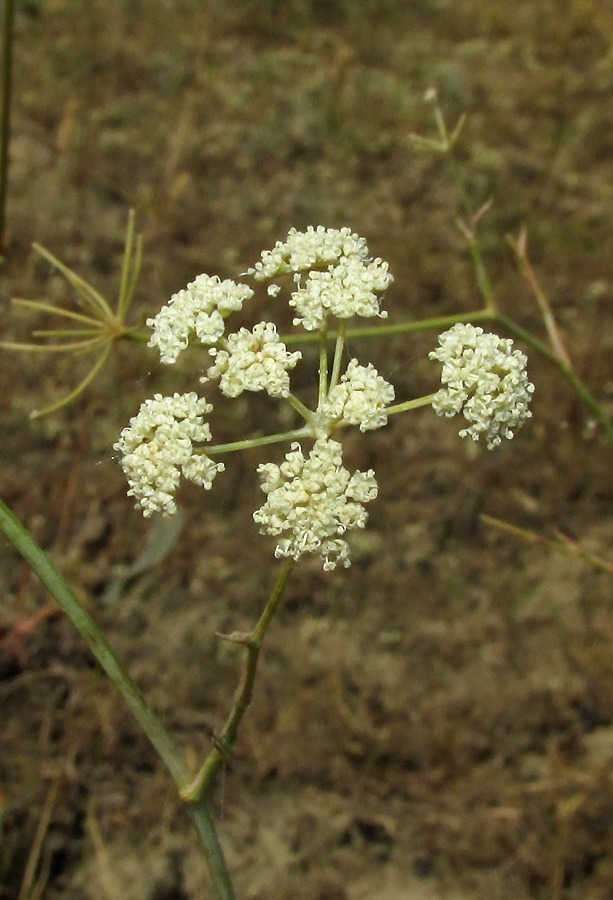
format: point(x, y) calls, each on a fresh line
point(168, 751)
point(198, 791)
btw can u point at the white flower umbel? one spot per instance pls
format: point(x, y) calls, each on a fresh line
point(310, 249)
point(199, 309)
point(311, 501)
point(486, 380)
point(360, 398)
point(345, 290)
point(158, 445)
point(255, 360)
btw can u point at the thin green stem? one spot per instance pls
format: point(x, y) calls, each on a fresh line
point(89, 377)
point(410, 404)
point(585, 395)
point(483, 281)
point(225, 740)
point(5, 122)
point(323, 365)
point(338, 353)
point(137, 263)
point(41, 306)
point(136, 335)
point(126, 269)
point(69, 346)
point(201, 814)
point(89, 296)
point(249, 443)
point(65, 332)
point(23, 542)
point(439, 322)
point(169, 753)
point(301, 409)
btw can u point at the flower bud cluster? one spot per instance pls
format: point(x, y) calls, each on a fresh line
point(158, 445)
point(312, 500)
point(486, 380)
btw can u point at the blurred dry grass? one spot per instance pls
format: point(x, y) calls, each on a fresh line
point(442, 713)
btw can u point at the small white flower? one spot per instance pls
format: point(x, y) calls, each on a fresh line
point(486, 380)
point(158, 445)
point(199, 309)
point(305, 250)
point(254, 360)
point(311, 501)
point(360, 398)
point(345, 290)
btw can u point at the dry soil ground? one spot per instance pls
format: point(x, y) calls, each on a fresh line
point(436, 721)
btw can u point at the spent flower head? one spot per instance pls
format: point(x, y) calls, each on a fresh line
point(486, 380)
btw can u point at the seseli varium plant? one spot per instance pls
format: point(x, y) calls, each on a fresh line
point(312, 500)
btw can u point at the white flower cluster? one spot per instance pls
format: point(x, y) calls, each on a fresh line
point(305, 250)
point(255, 360)
point(158, 445)
point(313, 500)
point(200, 309)
point(343, 290)
point(485, 380)
point(360, 398)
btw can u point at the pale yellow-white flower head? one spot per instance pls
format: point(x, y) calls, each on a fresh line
point(199, 309)
point(344, 290)
point(486, 380)
point(255, 360)
point(314, 248)
point(361, 398)
point(312, 501)
point(158, 446)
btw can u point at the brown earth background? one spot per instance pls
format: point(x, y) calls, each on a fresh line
point(436, 721)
